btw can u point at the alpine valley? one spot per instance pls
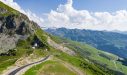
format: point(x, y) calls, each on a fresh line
point(26, 49)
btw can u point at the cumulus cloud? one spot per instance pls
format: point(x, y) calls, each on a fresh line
point(31, 16)
point(66, 16)
point(34, 17)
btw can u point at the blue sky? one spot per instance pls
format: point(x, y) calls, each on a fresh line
point(40, 6)
point(81, 14)
point(44, 6)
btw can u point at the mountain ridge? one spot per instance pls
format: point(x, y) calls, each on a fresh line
point(33, 45)
point(108, 41)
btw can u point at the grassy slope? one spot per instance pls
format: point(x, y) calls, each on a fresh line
point(76, 61)
point(48, 68)
point(92, 54)
point(10, 11)
point(79, 62)
point(24, 50)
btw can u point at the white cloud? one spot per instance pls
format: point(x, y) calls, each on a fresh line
point(34, 17)
point(67, 16)
point(30, 15)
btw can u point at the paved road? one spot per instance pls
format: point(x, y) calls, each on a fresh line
point(18, 69)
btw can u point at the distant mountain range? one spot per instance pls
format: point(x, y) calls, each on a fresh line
point(23, 44)
point(121, 32)
point(112, 42)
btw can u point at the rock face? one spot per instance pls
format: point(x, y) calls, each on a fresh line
point(12, 28)
point(7, 42)
point(14, 24)
point(2, 10)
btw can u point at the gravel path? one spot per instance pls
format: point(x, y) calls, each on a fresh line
point(60, 47)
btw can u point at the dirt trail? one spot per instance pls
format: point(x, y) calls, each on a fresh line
point(60, 47)
point(77, 70)
point(68, 51)
point(115, 64)
point(74, 69)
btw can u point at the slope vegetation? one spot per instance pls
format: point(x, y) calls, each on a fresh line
point(29, 44)
point(111, 42)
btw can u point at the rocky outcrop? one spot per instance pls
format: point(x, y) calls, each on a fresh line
point(12, 28)
point(7, 42)
point(14, 24)
point(2, 10)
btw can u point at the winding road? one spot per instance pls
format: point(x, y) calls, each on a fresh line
point(14, 72)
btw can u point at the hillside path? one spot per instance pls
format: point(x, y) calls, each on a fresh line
point(23, 69)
